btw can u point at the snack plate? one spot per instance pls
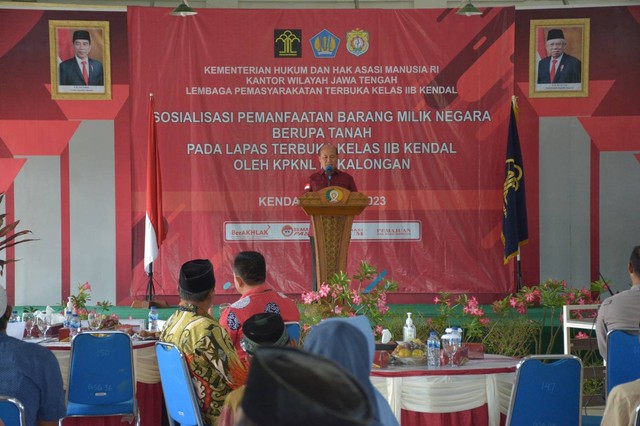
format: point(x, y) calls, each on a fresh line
point(409, 360)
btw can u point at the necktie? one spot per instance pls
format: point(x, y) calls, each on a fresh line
point(552, 75)
point(85, 73)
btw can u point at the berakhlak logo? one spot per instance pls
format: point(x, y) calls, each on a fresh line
point(287, 43)
point(324, 44)
point(357, 42)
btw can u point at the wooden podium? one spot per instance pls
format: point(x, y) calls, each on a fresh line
point(332, 211)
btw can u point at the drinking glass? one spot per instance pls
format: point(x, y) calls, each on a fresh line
point(29, 320)
point(43, 323)
point(450, 346)
point(95, 320)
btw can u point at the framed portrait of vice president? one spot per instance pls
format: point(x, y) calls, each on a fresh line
point(559, 58)
point(80, 60)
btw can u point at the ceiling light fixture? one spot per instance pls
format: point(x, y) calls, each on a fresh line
point(469, 10)
point(183, 10)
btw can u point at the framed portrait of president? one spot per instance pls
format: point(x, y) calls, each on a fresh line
point(559, 58)
point(80, 60)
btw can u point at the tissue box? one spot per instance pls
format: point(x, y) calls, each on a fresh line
point(63, 334)
point(476, 350)
point(460, 358)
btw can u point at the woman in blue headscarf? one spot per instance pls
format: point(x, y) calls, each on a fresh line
point(350, 343)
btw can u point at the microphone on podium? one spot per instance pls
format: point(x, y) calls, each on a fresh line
point(329, 171)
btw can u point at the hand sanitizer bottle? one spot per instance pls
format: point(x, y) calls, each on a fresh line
point(68, 314)
point(409, 330)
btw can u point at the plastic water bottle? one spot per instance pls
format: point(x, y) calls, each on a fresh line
point(153, 319)
point(409, 330)
point(14, 317)
point(74, 326)
point(433, 350)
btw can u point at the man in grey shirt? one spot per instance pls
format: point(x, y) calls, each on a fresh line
point(621, 311)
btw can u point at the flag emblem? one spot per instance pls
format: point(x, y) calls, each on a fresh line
point(514, 207)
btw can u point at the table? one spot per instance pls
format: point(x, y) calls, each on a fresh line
point(148, 387)
point(476, 393)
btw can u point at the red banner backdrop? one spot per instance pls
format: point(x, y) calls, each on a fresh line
point(417, 102)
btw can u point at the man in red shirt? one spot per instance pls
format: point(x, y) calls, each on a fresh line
point(249, 275)
point(329, 175)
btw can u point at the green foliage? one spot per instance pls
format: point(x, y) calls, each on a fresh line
point(344, 296)
point(8, 236)
point(512, 337)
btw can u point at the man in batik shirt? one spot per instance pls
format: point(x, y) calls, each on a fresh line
point(249, 276)
point(206, 346)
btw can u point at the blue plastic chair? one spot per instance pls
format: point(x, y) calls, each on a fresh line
point(11, 411)
point(293, 330)
point(546, 393)
point(623, 357)
point(101, 377)
point(179, 394)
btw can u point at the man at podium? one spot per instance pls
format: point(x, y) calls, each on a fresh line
point(329, 175)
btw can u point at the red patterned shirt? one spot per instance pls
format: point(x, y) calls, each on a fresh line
point(261, 298)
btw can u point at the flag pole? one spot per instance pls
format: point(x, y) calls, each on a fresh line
point(154, 230)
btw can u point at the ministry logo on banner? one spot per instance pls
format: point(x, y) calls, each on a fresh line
point(287, 43)
point(357, 42)
point(325, 44)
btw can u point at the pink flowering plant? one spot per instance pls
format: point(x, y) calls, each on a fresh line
point(464, 312)
point(365, 293)
point(550, 296)
point(83, 296)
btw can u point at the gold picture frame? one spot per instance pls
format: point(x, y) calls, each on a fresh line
point(570, 38)
point(90, 40)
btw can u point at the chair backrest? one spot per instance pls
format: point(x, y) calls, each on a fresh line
point(623, 357)
point(546, 392)
point(179, 394)
point(293, 330)
point(11, 411)
point(101, 375)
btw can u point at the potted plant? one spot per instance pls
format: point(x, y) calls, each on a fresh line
point(8, 236)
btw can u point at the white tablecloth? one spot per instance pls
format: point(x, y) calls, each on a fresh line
point(447, 390)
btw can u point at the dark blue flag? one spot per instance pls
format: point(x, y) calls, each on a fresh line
point(514, 206)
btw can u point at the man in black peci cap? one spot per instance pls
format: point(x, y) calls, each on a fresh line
point(289, 387)
point(81, 70)
point(263, 329)
point(558, 67)
point(206, 346)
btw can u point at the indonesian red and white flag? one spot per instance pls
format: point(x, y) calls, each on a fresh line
point(154, 231)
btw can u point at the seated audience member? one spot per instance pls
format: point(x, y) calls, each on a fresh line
point(205, 344)
point(350, 343)
point(290, 387)
point(249, 275)
point(265, 329)
point(620, 311)
point(30, 373)
point(621, 405)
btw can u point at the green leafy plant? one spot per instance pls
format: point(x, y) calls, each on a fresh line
point(8, 236)
point(344, 296)
point(464, 312)
point(83, 296)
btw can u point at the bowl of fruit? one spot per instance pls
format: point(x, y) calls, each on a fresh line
point(413, 352)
